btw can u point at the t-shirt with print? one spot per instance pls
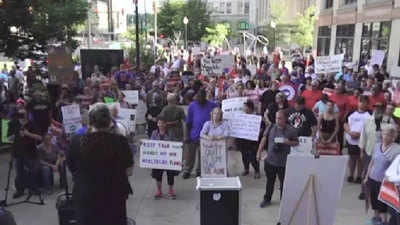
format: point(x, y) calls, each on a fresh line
point(302, 121)
point(356, 122)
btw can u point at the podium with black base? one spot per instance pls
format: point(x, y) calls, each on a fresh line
point(220, 202)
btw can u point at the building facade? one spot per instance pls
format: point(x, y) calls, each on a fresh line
point(356, 27)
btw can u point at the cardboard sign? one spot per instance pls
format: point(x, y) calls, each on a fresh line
point(377, 57)
point(61, 66)
point(304, 148)
point(304, 204)
point(329, 64)
point(246, 126)
point(215, 65)
point(141, 110)
point(165, 155)
point(4, 131)
point(131, 97)
point(127, 117)
point(213, 158)
point(72, 120)
point(232, 105)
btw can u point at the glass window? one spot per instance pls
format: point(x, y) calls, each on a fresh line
point(347, 2)
point(324, 41)
point(374, 36)
point(246, 8)
point(221, 9)
point(345, 41)
point(240, 7)
point(228, 8)
point(329, 4)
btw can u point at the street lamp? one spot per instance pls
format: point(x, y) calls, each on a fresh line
point(186, 21)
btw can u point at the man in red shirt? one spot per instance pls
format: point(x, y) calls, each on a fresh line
point(377, 95)
point(312, 96)
point(341, 99)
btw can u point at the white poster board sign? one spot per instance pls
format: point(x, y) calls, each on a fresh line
point(327, 189)
point(304, 147)
point(72, 120)
point(196, 51)
point(246, 126)
point(213, 158)
point(131, 97)
point(141, 110)
point(127, 117)
point(164, 155)
point(377, 57)
point(252, 69)
point(395, 71)
point(232, 105)
point(215, 65)
point(329, 64)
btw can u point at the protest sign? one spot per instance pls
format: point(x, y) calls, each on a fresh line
point(108, 100)
point(246, 126)
point(196, 51)
point(309, 185)
point(72, 120)
point(396, 112)
point(131, 97)
point(289, 91)
point(304, 147)
point(215, 65)
point(377, 57)
point(61, 66)
point(252, 69)
point(164, 155)
point(127, 117)
point(4, 131)
point(329, 64)
point(395, 91)
point(232, 105)
point(213, 158)
point(395, 71)
point(141, 110)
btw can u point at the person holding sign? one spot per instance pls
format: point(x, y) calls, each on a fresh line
point(216, 129)
point(157, 174)
point(328, 124)
point(278, 138)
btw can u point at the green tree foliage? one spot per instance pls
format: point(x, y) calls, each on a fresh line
point(304, 35)
point(170, 18)
point(146, 54)
point(216, 35)
point(39, 23)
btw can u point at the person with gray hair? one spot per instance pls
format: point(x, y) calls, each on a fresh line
point(383, 155)
point(100, 162)
point(173, 115)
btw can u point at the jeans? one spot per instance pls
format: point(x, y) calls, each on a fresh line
point(27, 174)
point(192, 151)
point(271, 172)
point(48, 178)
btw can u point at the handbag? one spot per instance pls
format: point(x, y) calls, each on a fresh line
point(328, 149)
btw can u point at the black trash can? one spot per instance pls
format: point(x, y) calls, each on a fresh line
point(220, 201)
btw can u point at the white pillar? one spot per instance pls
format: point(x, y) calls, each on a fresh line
point(333, 40)
point(394, 45)
point(357, 43)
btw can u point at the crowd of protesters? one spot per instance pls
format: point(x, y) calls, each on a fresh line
point(353, 109)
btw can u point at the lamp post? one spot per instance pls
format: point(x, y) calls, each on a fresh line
point(137, 34)
point(186, 21)
point(89, 25)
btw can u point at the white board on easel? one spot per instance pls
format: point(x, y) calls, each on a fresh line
point(327, 189)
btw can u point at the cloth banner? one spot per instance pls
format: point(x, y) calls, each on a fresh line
point(213, 158)
point(215, 65)
point(329, 64)
point(72, 120)
point(165, 155)
point(246, 126)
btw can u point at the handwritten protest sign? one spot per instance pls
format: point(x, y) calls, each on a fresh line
point(329, 64)
point(131, 97)
point(304, 147)
point(377, 57)
point(4, 131)
point(141, 110)
point(233, 105)
point(165, 155)
point(127, 117)
point(213, 158)
point(71, 118)
point(246, 126)
point(216, 65)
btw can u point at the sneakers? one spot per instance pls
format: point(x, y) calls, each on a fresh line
point(361, 196)
point(265, 203)
point(358, 180)
point(245, 173)
point(376, 220)
point(257, 175)
point(171, 194)
point(18, 194)
point(158, 195)
point(186, 175)
point(350, 179)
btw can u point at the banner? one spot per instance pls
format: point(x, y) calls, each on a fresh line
point(304, 147)
point(246, 126)
point(165, 155)
point(131, 97)
point(329, 64)
point(216, 65)
point(232, 105)
point(127, 117)
point(377, 57)
point(4, 131)
point(71, 118)
point(213, 158)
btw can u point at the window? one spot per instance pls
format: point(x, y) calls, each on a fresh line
point(228, 8)
point(240, 7)
point(347, 2)
point(324, 41)
point(221, 9)
point(345, 41)
point(246, 8)
point(328, 4)
point(374, 36)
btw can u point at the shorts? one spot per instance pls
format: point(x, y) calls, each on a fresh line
point(353, 149)
point(375, 187)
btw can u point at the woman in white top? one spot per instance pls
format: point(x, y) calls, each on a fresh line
point(216, 129)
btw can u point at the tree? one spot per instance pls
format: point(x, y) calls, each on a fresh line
point(170, 18)
point(216, 35)
point(146, 54)
point(28, 27)
point(304, 35)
